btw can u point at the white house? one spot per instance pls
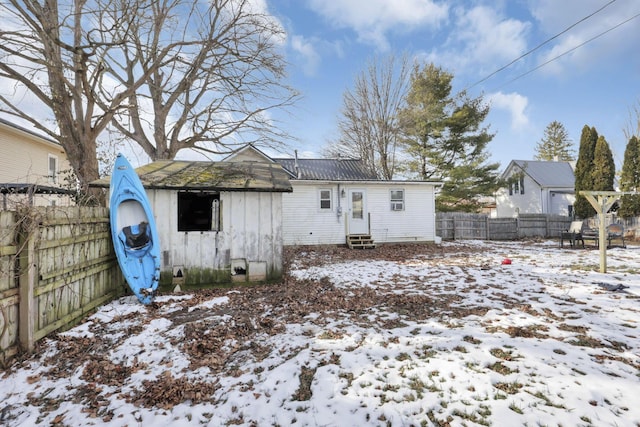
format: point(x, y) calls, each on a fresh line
point(217, 221)
point(30, 168)
point(537, 187)
point(336, 201)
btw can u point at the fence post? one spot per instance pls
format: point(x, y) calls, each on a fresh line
point(487, 237)
point(547, 226)
point(28, 280)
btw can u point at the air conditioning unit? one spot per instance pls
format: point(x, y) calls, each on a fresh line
point(397, 206)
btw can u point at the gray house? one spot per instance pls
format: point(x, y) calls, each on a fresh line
point(217, 221)
point(537, 187)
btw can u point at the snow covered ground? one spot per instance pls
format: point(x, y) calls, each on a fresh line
point(413, 335)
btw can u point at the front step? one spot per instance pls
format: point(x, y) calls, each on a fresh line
point(360, 241)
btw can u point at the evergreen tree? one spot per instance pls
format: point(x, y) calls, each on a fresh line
point(604, 168)
point(630, 179)
point(555, 145)
point(583, 172)
point(444, 139)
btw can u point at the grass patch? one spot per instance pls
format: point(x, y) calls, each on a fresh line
point(474, 417)
point(506, 355)
point(515, 408)
point(500, 368)
point(403, 356)
point(531, 331)
point(471, 340)
point(586, 341)
point(330, 335)
point(572, 328)
point(547, 401)
point(509, 388)
point(304, 390)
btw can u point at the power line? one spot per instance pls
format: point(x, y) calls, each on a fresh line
point(570, 50)
point(540, 45)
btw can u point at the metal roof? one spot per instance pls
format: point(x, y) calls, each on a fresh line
point(327, 169)
point(548, 173)
point(218, 176)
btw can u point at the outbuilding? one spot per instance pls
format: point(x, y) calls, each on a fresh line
point(217, 221)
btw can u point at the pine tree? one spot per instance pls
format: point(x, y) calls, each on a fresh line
point(630, 179)
point(444, 138)
point(555, 145)
point(583, 171)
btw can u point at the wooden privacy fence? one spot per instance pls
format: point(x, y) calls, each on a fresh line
point(456, 226)
point(56, 264)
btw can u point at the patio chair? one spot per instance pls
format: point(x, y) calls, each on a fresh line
point(573, 234)
point(615, 232)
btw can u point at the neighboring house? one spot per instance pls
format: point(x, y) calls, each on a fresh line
point(217, 221)
point(30, 167)
point(336, 201)
point(537, 187)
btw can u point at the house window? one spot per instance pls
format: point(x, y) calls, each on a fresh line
point(517, 186)
point(199, 211)
point(397, 200)
point(52, 174)
point(325, 199)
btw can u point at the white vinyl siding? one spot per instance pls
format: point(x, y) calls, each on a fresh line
point(302, 225)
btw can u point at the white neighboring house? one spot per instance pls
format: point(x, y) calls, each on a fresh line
point(537, 187)
point(30, 166)
point(334, 200)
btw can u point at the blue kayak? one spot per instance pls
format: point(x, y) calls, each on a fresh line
point(133, 231)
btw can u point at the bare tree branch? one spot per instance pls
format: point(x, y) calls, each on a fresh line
point(369, 123)
point(167, 74)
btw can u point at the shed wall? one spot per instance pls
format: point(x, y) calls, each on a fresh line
point(251, 232)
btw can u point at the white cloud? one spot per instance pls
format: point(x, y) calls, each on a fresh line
point(488, 37)
point(515, 104)
point(305, 48)
point(372, 19)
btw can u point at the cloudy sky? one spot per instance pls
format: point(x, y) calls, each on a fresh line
point(574, 70)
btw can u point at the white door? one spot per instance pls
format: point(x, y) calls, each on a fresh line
point(358, 217)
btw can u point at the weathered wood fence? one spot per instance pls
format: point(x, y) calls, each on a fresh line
point(56, 265)
point(456, 226)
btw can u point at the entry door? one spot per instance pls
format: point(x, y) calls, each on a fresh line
point(358, 217)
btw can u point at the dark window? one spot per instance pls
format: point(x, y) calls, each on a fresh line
point(198, 211)
point(325, 199)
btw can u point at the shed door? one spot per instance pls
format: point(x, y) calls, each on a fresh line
point(358, 216)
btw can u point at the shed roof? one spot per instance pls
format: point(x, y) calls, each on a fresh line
point(327, 169)
point(218, 176)
point(548, 173)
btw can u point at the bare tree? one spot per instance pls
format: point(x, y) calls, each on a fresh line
point(369, 123)
point(632, 127)
point(168, 74)
point(213, 72)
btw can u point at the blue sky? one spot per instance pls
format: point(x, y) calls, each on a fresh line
point(329, 42)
